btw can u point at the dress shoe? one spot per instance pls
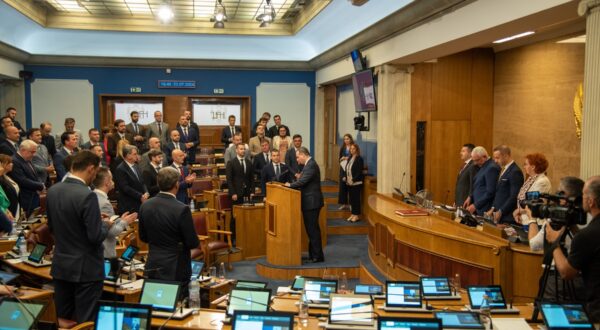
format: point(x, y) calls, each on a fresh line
point(314, 261)
point(342, 207)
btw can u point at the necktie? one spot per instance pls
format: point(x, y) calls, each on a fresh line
point(462, 168)
point(181, 171)
point(266, 158)
point(277, 173)
point(232, 131)
point(176, 145)
point(243, 163)
point(135, 171)
point(159, 129)
point(501, 172)
point(135, 128)
point(185, 133)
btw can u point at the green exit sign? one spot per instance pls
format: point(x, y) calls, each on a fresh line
point(135, 89)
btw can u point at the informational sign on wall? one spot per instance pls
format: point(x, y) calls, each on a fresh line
point(146, 111)
point(216, 114)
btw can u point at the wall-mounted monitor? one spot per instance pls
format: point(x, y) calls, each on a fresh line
point(364, 91)
point(210, 114)
point(145, 110)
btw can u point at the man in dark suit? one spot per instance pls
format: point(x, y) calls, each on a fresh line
point(4, 123)
point(10, 145)
point(150, 171)
point(465, 175)
point(188, 116)
point(484, 182)
point(119, 134)
point(175, 144)
point(290, 157)
point(75, 221)
point(137, 131)
point(158, 128)
point(189, 137)
point(153, 144)
point(229, 131)
point(240, 179)
point(309, 183)
point(11, 112)
point(274, 130)
point(185, 178)
point(24, 175)
point(509, 183)
point(69, 147)
point(274, 171)
point(129, 182)
point(262, 159)
point(94, 136)
point(47, 138)
point(167, 226)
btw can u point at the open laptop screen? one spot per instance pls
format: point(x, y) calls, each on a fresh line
point(129, 253)
point(371, 289)
point(245, 320)
point(494, 292)
point(37, 253)
point(298, 284)
point(565, 316)
point(14, 315)
point(436, 286)
point(110, 269)
point(403, 294)
point(161, 295)
point(122, 316)
point(318, 290)
point(350, 310)
point(406, 323)
point(197, 267)
point(248, 300)
point(459, 320)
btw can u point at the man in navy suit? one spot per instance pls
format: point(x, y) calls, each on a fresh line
point(507, 189)
point(229, 131)
point(129, 182)
point(484, 182)
point(189, 137)
point(262, 158)
point(309, 183)
point(24, 175)
point(94, 136)
point(274, 171)
point(69, 141)
point(290, 157)
point(10, 144)
point(174, 144)
point(185, 178)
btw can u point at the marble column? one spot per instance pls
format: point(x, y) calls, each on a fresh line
point(393, 127)
point(590, 136)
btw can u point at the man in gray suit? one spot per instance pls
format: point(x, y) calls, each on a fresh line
point(153, 144)
point(103, 183)
point(231, 153)
point(465, 175)
point(42, 161)
point(158, 129)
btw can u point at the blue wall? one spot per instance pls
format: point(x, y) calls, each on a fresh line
point(119, 80)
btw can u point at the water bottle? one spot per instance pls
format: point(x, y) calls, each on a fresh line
point(344, 283)
point(222, 274)
point(457, 283)
point(486, 312)
point(22, 246)
point(132, 275)
point(303, 309)
point(192, 205)
point(194, 300)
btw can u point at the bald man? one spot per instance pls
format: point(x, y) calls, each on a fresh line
point(185, 178)
point(153, 144)
point(10, 145)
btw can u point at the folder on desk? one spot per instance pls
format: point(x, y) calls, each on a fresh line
point(411, 212)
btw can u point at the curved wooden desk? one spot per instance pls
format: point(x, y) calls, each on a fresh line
point(408, 247)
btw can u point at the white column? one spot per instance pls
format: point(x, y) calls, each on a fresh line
point(393, 128)
point(590, 135)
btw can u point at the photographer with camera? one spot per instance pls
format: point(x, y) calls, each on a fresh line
point(584, 256)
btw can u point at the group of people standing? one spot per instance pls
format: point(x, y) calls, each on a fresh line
point(351, 178)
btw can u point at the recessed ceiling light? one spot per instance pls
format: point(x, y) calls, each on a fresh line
point(516, 36)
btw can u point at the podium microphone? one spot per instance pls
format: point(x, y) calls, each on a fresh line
point(399, 190)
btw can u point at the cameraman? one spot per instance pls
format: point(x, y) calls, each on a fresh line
point(585, 249)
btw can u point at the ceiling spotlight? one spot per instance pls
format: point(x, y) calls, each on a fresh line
point(219, 16)
point(267, 16)
point(165, 13)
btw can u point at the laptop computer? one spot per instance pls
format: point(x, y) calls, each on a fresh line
point(565, 316)
point(297, 285)
point(350, 312)
point(494, 292)
point(36, 257)
point(6, 278)
point(459, 320)
point(244, 320)
point(438, 288)
point(374, 290)
point(162, 296)
point(111, 268)
point(408, 323)
point(317, 291)
point(250, 284)
point(112, 315)
point(19, 315)
point(129, 253)
point(404, 296)
point(245, 299)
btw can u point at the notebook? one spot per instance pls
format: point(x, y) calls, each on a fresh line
point(408, 323)
point(162, 296)
point(459, 320)
point(19, 315)
point(374, 290)
point(244, 320)
point(317, 291)
point(250, 284)
point(350, 312)
point(404, 296)
point(494, 292)
point(565, 316)
point(248, 300)
point(117, 316)
point(437, 288)
point(36, 257)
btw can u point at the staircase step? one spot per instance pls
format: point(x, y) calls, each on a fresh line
point(329, 186)
point(343, 227)
point(333, 212)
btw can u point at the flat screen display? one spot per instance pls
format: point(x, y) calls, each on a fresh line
point(364, 91)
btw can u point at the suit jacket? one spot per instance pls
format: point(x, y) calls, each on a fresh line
point(40, 161)
point(268, 175)
point(74, 219)
point(356, 170)
point(464, 182)
point(131, 188)
point(309, 184)
point(182, 194)
point(291, 162)
point(59, 166)
point(507, 190)
point(274, 131)
point(254, 144)
point(7, 148)
point(114, 140)
point(226, 134)
point(88, 146)
point(192, 137)
point(48, 141)
point(168, 149)
point(149, 174)
point(152, 131)
point(141, 145)
point(144, 162)
point(167, 226)
point(259, 162)
point(117, 228)
point(484, 186)
point(238, 182)
point(58, 143)
point(230, 154)
point(24, 175)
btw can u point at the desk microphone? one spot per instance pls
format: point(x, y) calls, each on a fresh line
point(399, 190)
point(177, 308)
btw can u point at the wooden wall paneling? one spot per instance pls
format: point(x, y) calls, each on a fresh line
point(451, 87)
point(174, 107)
point(421, 86)
point(482, 98)
point(330, 132)
point(390, 247)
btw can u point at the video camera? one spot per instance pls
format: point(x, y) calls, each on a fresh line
point(560, 209)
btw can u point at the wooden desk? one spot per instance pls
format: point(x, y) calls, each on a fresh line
point(403, 248)
point(46, 296)
point(7, 244)
point(250, 230)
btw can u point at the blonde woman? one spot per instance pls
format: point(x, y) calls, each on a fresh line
point(119, 155)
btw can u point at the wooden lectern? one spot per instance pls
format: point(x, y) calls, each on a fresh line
point(283, 225)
